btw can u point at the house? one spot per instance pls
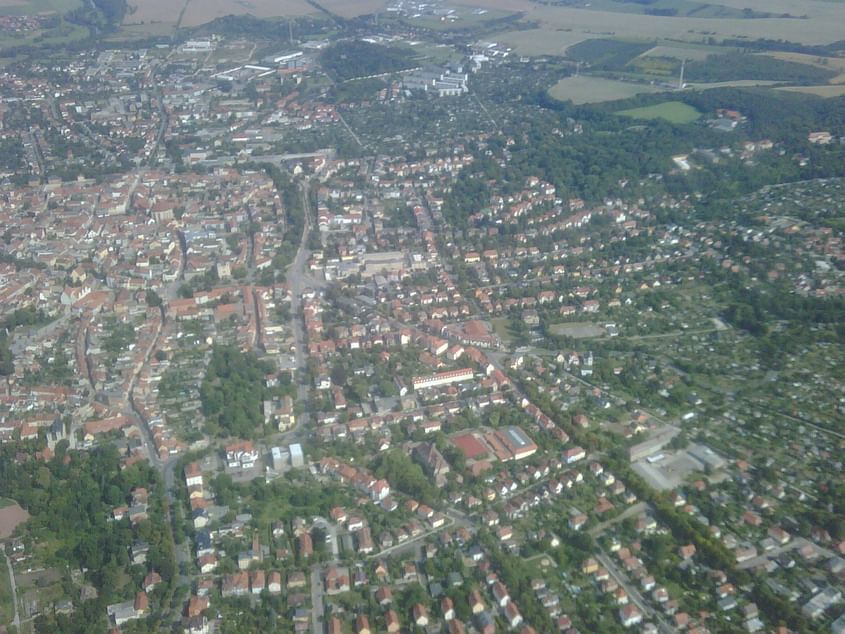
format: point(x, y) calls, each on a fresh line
point(392, 623)
point(447, 608)
point(235, 585)
point(476, 602)
point(196, 606)
point(501, 594)
point(384, 596)
point(432, 461)
point(362, 624)
point(193, 475)
point(274, 582)
point(630, 615)
point(512, 615)
point(151, 581)
point(420, 613)
point(257, 581)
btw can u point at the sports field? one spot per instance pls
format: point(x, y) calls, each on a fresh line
point(11, 515)
point(671, 111)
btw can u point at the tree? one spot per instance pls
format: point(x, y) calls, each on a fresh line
point(152, 298)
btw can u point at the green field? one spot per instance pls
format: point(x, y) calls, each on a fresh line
point(4, 502)
point(671, 111)
point(582, 89)
point(502, 329)
point(37, 7)
point(7, 610)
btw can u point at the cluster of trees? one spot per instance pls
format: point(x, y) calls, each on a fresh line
point(99, 15)
point(611, 151)
point(733, 66)
point(70, 499)
point(233, 391)
point(119, 336)
point(253, 28)
point(20, 317)
point(357, 90)
point(607, 54)
point(355, 58)
point(404, 474)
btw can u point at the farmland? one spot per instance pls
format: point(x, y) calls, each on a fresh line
point(197, 13)
point(833, 90)
point(542, 41)
point(581, 89)
point(353, 8)
point(671, 111)
point(829, 63)
point(33, 7)
point(559, 26)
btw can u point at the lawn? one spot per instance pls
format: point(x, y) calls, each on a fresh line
point(502, 329)
point(578, 329)
point(7, 610)
point(671, 111)
point(4, 502)
point(582, 89)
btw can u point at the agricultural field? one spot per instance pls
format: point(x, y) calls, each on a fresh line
point(688, 53)
point(353, 8)
point(671, 111)
point(582, 89)
point(468, 17)
point(830, 63)
point(36, 7)
point(197, 13)
point(836, 90)
point(542, 41)
point(674, 8)
point(821, 26)
point(150, 14)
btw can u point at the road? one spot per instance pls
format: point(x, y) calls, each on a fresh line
point(795, 544)
point(633, 592)
point(631, 511)
point(317, 608)
point(297, 281)
point(17, 620)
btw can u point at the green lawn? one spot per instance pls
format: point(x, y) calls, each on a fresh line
point(502, 328)
point(4, 502)
point(671, 111)
point(7, 610)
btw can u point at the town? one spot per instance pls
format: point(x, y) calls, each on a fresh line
point(354, 333)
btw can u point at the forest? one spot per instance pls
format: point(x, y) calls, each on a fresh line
point(357, 59)
point(734, 66)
